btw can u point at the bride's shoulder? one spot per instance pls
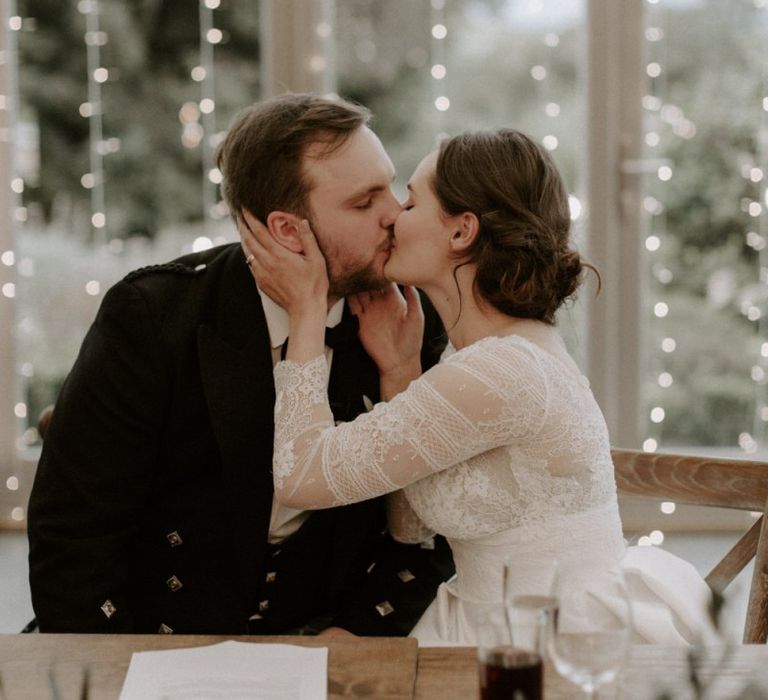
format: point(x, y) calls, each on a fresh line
point(509, 348)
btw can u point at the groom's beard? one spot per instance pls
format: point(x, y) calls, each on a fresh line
point(347, 277)
point(366, 279)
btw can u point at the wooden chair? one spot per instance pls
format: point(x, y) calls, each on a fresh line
point(42, 426)
point(708, 481)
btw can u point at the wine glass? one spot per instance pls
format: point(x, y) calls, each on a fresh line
point(589, 642)
point(530, 597)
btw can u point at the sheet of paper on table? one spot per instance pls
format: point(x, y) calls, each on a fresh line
point(229, 670)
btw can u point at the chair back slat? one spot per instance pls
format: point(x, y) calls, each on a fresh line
point(732, 564)
point(709, 481)
point(756, 627)
point(704, 481)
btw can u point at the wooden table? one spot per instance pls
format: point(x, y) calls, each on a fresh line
point(367, 667)
point(451, 674)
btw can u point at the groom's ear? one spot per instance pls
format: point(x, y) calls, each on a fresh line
point(284, 228)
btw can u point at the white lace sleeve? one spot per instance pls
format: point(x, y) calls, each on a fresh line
point(481, 398)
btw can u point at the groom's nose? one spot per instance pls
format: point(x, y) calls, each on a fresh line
point(391, 211)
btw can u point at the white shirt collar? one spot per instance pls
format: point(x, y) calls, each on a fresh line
point(277, 319)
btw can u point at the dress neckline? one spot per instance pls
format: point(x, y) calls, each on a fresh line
point(489, 339)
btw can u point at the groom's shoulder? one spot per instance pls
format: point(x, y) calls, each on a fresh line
point(183, 290)
point(186, 268)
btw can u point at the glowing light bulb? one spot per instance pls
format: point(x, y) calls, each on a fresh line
point(92, 288)
point(653, 70)
point(650, 445)
point(550, 142)
point(664, 173)
point(652, 243)
point(442, 103)
point(317, 64)
point(575, 206)
point(438, 71)
point(201, 243)
point(439, 31)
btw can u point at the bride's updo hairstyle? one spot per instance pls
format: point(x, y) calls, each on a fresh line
point(525, 265)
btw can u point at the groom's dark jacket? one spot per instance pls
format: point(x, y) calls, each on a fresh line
point(151, 503)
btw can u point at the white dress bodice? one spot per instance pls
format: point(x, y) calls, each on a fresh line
point(501, 448)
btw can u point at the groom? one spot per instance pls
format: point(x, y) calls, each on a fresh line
point(152, 508)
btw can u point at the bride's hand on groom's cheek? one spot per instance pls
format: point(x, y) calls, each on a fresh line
point(293, 280)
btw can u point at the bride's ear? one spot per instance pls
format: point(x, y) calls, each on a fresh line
point(284, 228)
point(465, 229)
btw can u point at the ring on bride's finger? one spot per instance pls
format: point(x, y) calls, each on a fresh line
point(250, 259)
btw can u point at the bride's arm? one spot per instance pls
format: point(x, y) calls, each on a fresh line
point(454, 411)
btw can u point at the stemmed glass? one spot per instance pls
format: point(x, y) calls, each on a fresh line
point(589, 642)
point(531, 600)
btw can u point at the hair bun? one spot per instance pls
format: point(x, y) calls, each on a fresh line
point(525, 266)
point(569, 273)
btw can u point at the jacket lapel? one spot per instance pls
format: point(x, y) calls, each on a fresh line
point(236, 370)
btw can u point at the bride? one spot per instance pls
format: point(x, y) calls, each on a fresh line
point(501, 447)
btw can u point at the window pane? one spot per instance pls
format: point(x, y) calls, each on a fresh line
point(120, 106)
point(705, 159)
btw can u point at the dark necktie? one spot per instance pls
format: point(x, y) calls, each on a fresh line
point(341, 335)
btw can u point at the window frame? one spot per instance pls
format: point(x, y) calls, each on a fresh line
point(615, 84)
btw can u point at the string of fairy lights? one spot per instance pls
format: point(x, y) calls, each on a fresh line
point(661, 119)
point(8, 105)
point(661, 115)
point(755, 173)
point(198, 131)
point(93, 111)
point(209, 37)
point(657, 116)
point(438, 70)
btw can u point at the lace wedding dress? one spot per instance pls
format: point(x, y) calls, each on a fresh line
point(502, 449)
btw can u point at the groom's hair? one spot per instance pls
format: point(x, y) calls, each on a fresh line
point(261, 157)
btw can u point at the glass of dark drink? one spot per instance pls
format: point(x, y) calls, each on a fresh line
point(507, 673)
point(510, 662)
